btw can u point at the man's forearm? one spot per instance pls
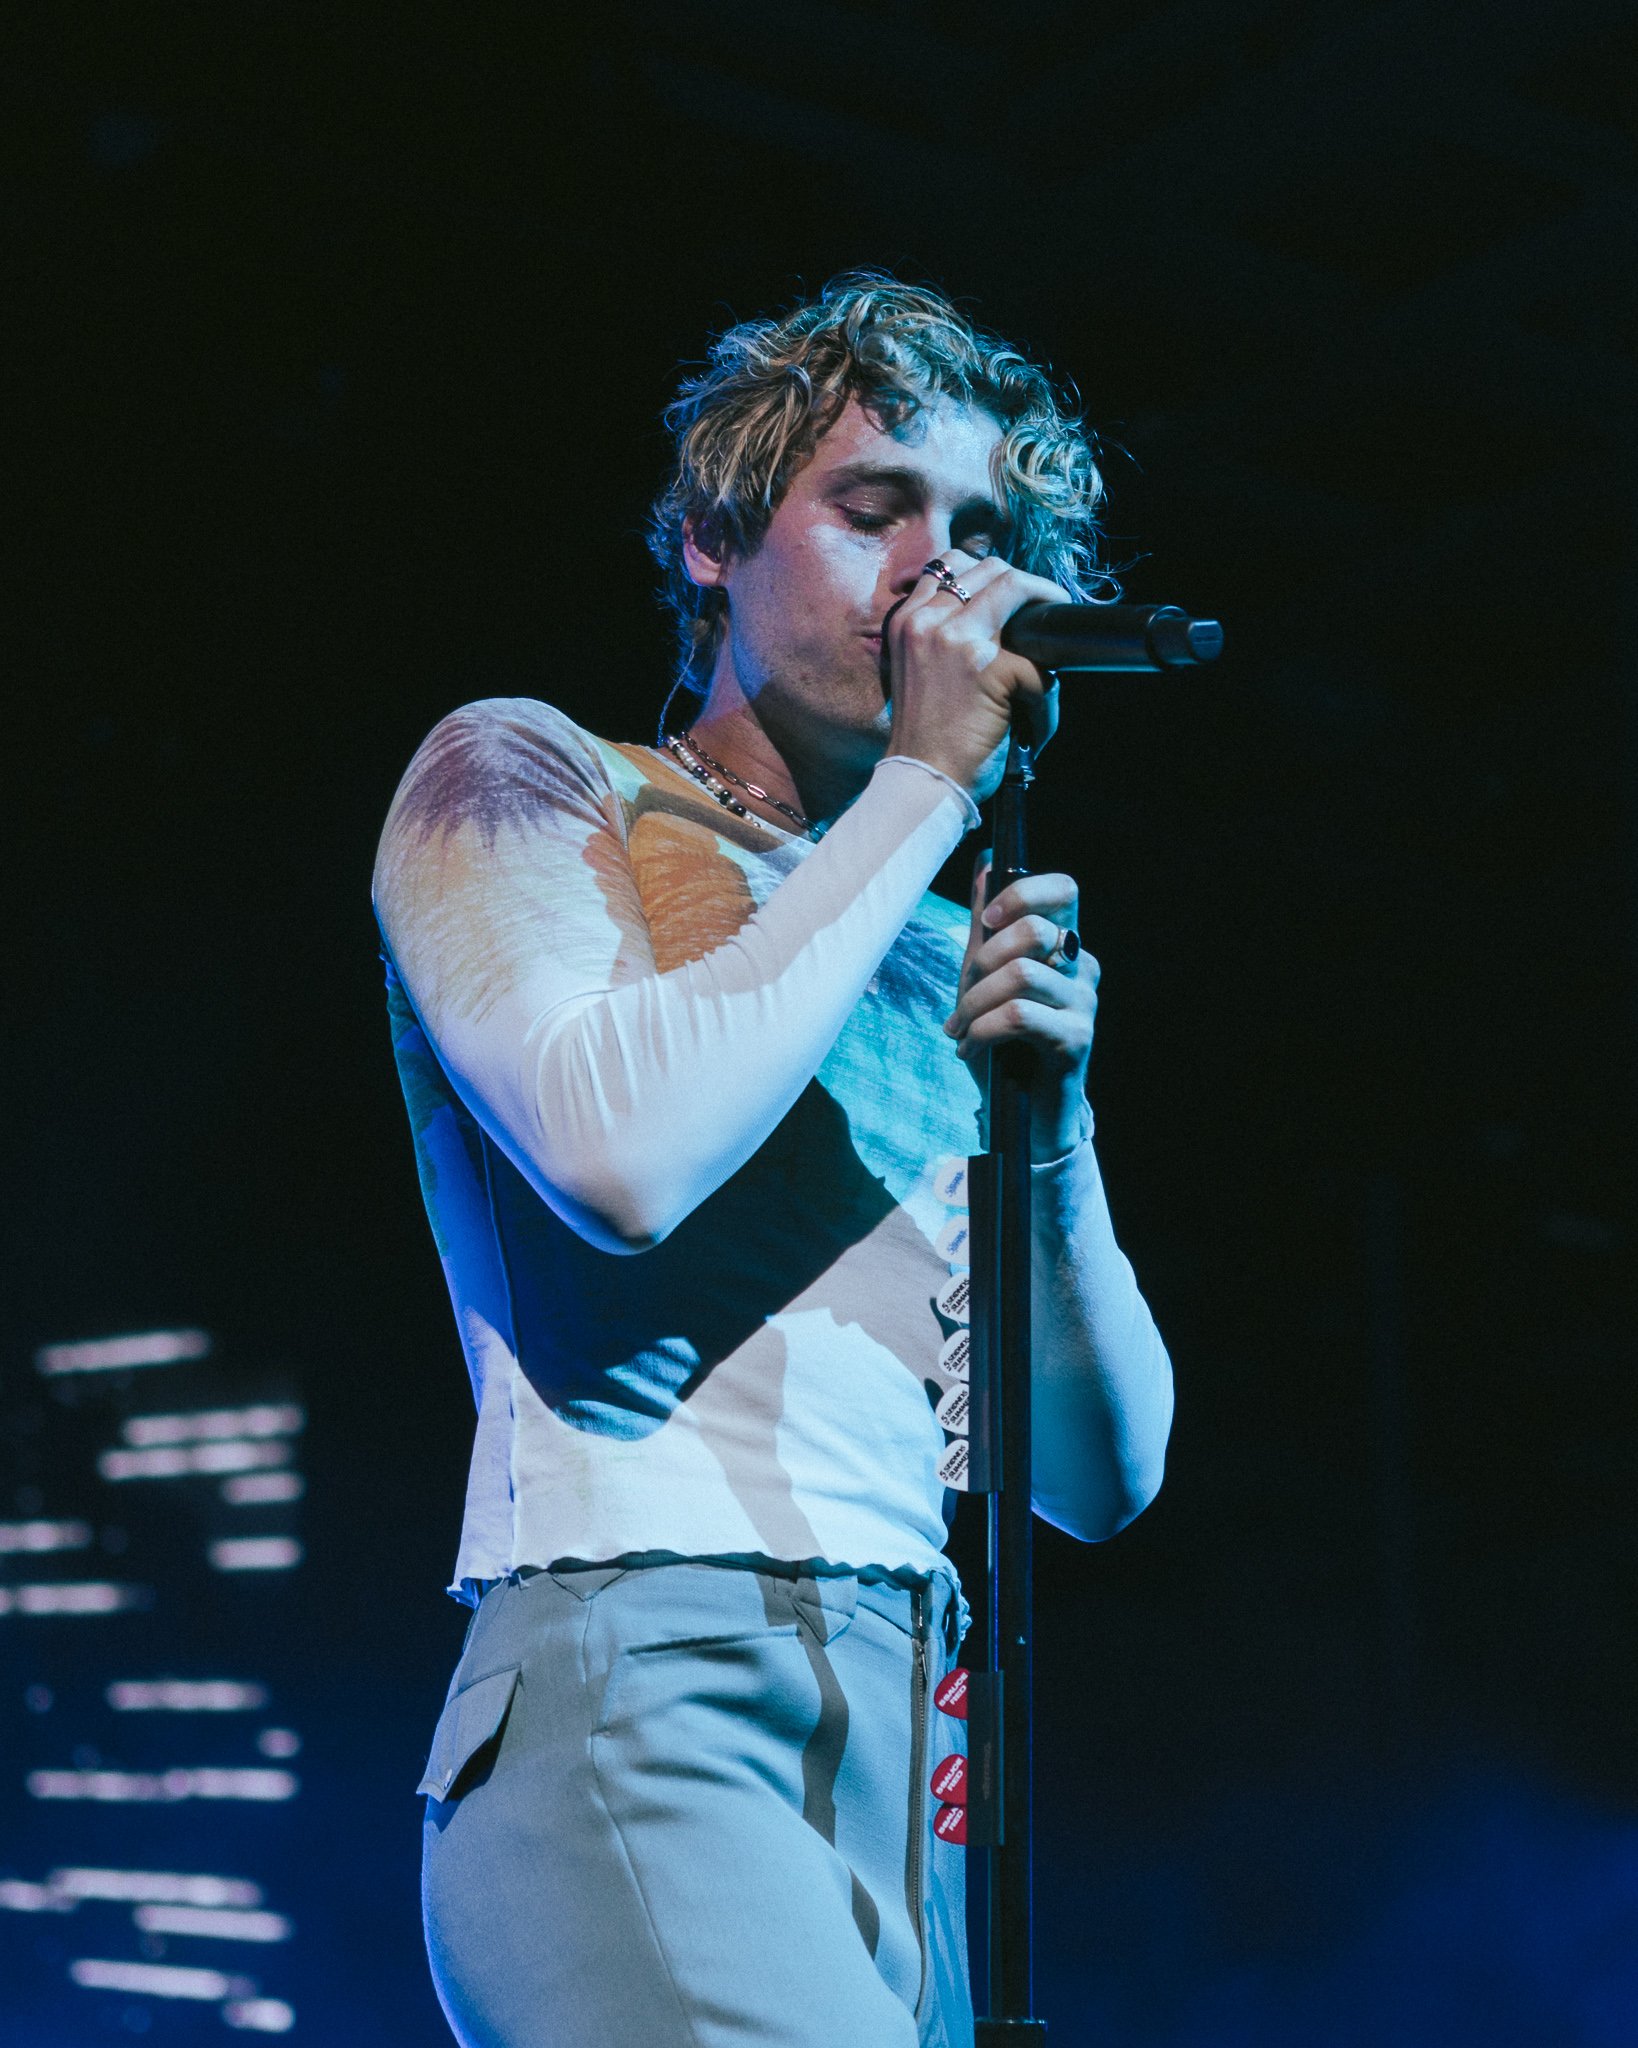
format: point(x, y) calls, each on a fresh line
point(1102, 1380)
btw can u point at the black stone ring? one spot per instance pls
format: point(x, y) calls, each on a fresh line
point(939, 570)
point(1066, 952)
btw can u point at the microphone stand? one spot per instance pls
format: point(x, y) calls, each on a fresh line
point(1000, 1712)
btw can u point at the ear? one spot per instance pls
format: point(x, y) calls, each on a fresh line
point(707, 571)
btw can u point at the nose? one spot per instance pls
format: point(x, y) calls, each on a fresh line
point(919, 541)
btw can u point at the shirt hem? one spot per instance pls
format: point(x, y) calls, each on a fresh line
point(470, 1588)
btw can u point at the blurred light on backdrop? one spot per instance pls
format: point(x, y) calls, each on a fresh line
point(213, 1923)
point(185, 1696)
point(260, 2015)
point(117, 1354)
point(68, 1596)
point(161, 1787)
point(158, 1980)
point(256, 1489)
point(265, 1419)
point(31, 1537)
point(255, 1554)
point(170, 1887)
point(95, 1766)
point(181, 1461)
point(17, 1895)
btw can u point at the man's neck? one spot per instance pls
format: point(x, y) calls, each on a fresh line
point(800, 768)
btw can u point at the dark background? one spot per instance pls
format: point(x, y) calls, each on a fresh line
point(338, 339)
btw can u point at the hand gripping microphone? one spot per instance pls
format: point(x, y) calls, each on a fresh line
point(1112, 638)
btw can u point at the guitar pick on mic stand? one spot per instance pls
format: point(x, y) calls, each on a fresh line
point(1069, 639)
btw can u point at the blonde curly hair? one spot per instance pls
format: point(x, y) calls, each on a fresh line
point(772, 388)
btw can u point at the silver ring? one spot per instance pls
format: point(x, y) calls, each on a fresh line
point(939, 571)
point(1066, 951)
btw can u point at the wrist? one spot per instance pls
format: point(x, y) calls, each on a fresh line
point(920, 765)
point(1058, 1127)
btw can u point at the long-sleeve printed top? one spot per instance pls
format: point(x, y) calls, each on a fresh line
point(691, 1139)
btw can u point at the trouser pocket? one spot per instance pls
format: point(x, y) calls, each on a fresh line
point(468, 1733)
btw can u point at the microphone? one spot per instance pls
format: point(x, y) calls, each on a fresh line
point(1112, 638)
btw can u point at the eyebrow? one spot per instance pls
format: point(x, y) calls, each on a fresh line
point(912, 482)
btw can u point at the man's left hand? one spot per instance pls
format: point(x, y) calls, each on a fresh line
point(1011, 996)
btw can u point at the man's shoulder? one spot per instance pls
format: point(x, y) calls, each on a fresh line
point(514, 761)
point(512, 741)
point(493, 727)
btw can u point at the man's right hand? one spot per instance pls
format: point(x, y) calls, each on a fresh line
point(954, 686)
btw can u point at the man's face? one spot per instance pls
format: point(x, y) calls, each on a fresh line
point(848, 541)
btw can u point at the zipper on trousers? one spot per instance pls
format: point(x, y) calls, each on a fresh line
point(920, 1605)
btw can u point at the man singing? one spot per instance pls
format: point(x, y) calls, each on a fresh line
point(692, 1061)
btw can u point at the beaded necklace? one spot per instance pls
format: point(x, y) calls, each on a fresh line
point(688, 752)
